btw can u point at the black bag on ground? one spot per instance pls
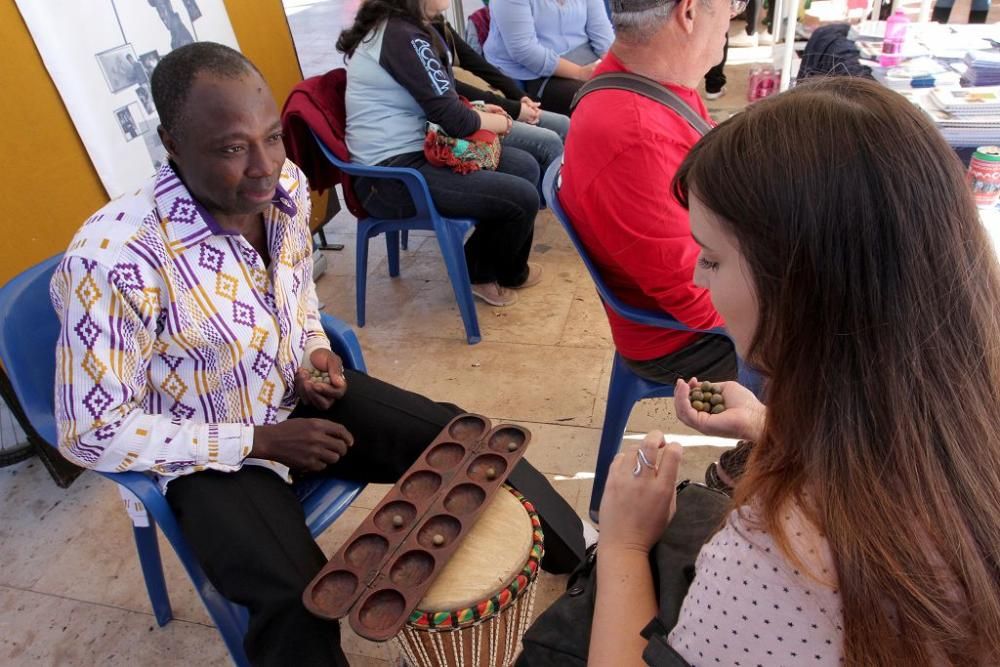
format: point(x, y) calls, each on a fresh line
point(560, 637)
point(563, 530)
point(830, 53)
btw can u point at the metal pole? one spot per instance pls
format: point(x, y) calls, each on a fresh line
point(459, 23)
point(789, 54)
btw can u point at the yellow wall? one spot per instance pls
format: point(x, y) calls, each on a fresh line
point(49, 186)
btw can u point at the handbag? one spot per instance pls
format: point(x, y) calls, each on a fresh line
point(480, 150)
point(560, 636)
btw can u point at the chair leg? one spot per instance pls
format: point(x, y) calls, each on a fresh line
point(454, 259)
point(152, 572)
point(621, 399)
point(361, 272)
point(404, 239)
point(392, 250)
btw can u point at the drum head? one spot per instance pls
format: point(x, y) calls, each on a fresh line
point(489, 557)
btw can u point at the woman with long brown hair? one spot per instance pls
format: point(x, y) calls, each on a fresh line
point(842, 247)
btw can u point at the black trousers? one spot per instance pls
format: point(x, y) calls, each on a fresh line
point(247, 528)
point(557, 94)
point(711, 357)
point(505, 202)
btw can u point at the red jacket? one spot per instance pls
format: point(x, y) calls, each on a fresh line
point(317, 104)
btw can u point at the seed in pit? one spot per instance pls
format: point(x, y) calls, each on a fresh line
point(491, 473)
point(718, 409)
point(511, 446)
point(438, 540)
point(698, 406)
point(397, 520)
point(716, 399)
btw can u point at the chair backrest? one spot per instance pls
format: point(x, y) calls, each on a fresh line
point(550, 186)
point(29, 329)
point(317, 106)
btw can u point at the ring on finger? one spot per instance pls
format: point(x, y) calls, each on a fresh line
point(641, 461)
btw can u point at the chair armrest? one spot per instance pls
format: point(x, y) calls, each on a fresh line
point(344, 342)
point(411, 179)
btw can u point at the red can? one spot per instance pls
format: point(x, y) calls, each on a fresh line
point(984, 176)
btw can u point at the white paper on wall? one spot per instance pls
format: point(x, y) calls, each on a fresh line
point(100, 54)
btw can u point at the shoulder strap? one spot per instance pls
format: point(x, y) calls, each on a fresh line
point(646, 87)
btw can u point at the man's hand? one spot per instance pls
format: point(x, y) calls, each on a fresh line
point(304, 445)
point(743, 417)
point(317, 393)
point(493, 108)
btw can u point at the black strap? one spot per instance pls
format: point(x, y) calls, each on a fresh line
point(641, 85)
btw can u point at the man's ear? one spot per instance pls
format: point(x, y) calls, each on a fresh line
point(685, 13)
point(167, 140)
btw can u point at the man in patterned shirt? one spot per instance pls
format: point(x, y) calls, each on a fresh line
point(189, 325)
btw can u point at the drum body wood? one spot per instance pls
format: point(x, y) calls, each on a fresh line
point(479, 607)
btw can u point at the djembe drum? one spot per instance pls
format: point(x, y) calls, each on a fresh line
point(479, 607)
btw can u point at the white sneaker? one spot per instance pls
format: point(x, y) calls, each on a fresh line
point(765, 38)
point(742, 40)
point(716, 95)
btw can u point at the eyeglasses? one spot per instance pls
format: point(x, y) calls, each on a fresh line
point(737, 6)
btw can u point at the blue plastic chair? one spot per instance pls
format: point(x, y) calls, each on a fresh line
point(28, 333)
point(626, 388)
point(450, 233)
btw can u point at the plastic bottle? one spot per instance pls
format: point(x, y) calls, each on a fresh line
point(895, 35)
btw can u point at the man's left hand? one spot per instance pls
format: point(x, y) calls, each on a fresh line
point(318, 393)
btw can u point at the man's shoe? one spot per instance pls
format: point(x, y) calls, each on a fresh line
point(714, 95)
point(742, 41)
point(534, 276)
point(494, 295)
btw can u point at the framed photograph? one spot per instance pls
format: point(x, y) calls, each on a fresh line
point(149, 61)
point(121, 68)
point(146, 100)
point(129, 118)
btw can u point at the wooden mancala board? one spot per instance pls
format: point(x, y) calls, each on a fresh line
point(381, 573)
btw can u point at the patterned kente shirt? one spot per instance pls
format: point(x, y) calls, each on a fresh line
point(176, 339)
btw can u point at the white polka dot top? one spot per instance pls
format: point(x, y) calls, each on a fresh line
point(749, 606)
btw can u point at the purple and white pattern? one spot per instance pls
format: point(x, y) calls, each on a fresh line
point(176, 339)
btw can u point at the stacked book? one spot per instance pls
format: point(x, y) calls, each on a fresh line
point(965, 116)
point(918, 73)
point(982, 68)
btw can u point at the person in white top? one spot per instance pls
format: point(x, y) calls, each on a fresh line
point(841, 244)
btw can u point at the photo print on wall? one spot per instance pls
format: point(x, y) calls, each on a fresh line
point(103, 73)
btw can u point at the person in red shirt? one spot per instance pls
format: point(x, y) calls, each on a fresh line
point(621, 155)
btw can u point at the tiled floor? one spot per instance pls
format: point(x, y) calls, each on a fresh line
point(71, 592)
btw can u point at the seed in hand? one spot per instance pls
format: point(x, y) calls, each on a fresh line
point(707, 397)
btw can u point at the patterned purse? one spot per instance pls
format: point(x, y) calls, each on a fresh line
point(480, 150)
